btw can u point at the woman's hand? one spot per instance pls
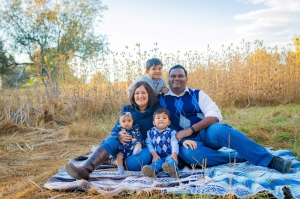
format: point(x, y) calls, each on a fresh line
point(183, 133)
point(190, 143)
point(174, 156)
point(124, 137)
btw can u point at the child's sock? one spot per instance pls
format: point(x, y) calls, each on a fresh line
point(136, 150)
point(121, 169)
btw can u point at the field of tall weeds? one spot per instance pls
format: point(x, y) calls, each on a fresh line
point(257, 89)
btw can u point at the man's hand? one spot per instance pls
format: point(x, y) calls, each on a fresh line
point(183, 133)
point(155, 156)
point(124, 137)
point(174, 156)
point(190, 143)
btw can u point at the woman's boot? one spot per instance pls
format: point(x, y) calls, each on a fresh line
point(83, 172)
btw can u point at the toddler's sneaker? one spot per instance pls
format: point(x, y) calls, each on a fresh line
point(170, 170)
point(148, 171)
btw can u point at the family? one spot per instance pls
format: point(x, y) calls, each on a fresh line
point(163, 126)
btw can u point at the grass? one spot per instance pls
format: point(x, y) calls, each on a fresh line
point(38, 135)
point(29, 156)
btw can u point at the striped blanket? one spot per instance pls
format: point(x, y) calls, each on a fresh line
point(239, 179)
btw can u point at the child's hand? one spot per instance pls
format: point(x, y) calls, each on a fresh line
point(133, 140)
point(174, 156)
point(190, 143)
point(165, 90)
point(155, 157)
point(138, 145)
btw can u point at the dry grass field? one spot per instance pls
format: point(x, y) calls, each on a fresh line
point(257, 91)
point(29, 156)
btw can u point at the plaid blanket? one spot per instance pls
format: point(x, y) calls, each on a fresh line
point(239, 179)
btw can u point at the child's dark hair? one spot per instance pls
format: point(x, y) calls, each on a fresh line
point(161, 110)
point(153, 62)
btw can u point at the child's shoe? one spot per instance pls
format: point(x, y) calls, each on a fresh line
point(148, 171)
point(170, 170)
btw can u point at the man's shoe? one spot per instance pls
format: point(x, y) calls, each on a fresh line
point(170, 170)
point(148, 171)
point(280, 164)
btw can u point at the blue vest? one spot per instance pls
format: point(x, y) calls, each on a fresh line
point(161, 141)
point(184, 110)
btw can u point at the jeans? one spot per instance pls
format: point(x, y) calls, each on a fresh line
point(157, 165)
point(132, 162)
point(220, 135)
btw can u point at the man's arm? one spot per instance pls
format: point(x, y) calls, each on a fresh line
point(211, 114)
point(203, 124)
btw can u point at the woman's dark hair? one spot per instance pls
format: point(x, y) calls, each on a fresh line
point(152, 98)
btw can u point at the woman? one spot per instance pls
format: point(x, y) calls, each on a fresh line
point(143, 103)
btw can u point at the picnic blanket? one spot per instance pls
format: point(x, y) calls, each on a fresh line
point(239, 179)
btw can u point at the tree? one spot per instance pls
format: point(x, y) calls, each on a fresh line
point(53, 32)
point(5, 61)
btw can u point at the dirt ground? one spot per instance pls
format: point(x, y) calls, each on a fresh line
point(28, 157)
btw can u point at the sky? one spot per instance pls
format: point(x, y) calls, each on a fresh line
point(192, 25)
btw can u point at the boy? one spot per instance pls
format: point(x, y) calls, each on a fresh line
point(163, 146)
point(154, 71)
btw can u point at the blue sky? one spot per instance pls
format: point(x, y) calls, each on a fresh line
point(194, 24)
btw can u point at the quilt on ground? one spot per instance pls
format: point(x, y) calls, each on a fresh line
point(239, 179)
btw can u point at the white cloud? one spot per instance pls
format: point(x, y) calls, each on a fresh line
point(279, 21)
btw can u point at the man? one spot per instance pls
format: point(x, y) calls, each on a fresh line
point(197, 119)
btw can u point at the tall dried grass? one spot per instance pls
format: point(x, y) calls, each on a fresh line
point(238, 77)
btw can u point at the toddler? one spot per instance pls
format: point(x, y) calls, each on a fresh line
point(163, 146)
point(126, 148)
point(154, 71)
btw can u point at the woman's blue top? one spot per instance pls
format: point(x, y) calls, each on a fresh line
point(143, 119)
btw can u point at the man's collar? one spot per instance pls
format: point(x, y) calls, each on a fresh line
point(170, 92)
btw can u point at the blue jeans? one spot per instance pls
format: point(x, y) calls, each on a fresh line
point(220, 135)
point(157, 165)
point(133, 162)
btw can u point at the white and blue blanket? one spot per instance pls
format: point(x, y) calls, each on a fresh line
point(239, 179)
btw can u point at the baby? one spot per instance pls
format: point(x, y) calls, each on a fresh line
point(127, 148)
point(163, 146)
point(154, 71)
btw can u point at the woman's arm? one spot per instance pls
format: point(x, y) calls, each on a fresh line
point(115, 132)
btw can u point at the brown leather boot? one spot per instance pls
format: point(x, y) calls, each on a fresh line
point(83, 172)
